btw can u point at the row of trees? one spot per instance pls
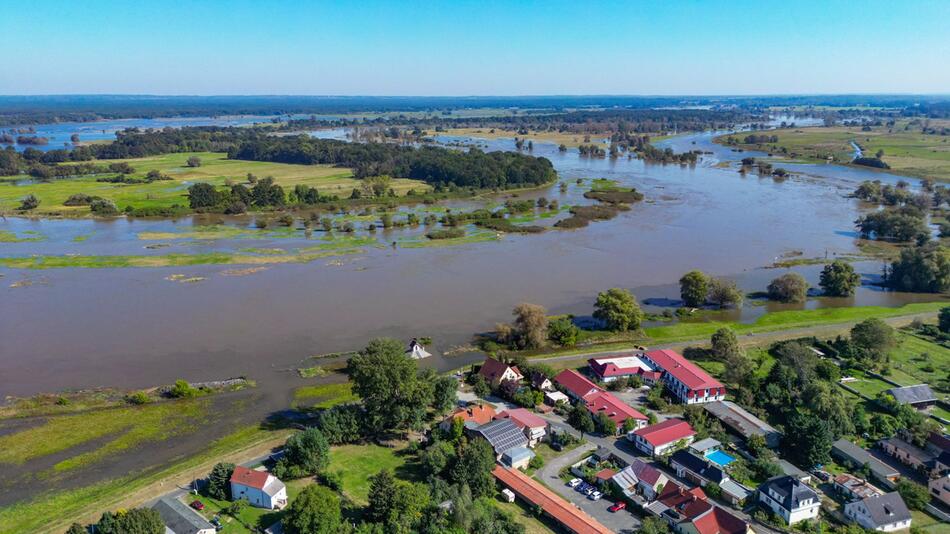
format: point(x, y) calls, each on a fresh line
point(696, 289)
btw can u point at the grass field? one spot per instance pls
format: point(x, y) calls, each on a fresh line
point(356, 463)
point(117, 429)
point(54, 512)
point(215, 169)
point(918, 360)
point(324, 395)
point(566, 138)
point(908, 152)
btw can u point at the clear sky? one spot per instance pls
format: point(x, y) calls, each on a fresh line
point(366, 47)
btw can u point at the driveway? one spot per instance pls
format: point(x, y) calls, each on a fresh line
point(622, 521)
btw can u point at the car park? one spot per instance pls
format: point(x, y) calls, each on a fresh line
point(574, 482)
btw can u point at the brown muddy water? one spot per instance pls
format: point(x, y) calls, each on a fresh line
point(131, 327)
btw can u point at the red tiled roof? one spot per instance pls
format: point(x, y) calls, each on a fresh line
point(668, 431)
point(249, 477)
point(605, 474)
point(564, 513)
point(574, 382)
point(617, 366)
point(523, 418)
point(616, 409)
point(478, 414)
point(493, 369)
point(683, 370)
point(719, 521)
point(690, 502)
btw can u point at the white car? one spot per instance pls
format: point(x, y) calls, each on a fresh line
point(595, 496)
point(574, 482)
point(590, 491)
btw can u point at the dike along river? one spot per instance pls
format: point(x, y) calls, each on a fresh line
point(133, 327)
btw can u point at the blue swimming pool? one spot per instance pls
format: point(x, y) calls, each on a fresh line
point(720, 458)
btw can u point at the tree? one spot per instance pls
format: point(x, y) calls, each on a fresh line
point(581, 419)
point(202, 195)
point(391, 387)
point(305, 453)
point(873, 334)
point(219, 485)
point(131, 521)
point(838, 279)
point(444, 394)
point(563, 331)
point(739, 367)
point(808, 440)
point(654, 525)
point(316, 510)
point(915, 496)
point(194, 161)
point(944, 320)
point(724, 292)
point(531, 325)
point(724, 343)
point(342, 423)
point(923, 269)
point(618, 308)
point(29, 202)
point(480, 386)
point(790, 287)
point(605, 425)
point(76, 528)
point(694, 286)
point(474, 467)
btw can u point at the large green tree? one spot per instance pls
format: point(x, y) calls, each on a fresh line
point(808, 440)
point(618, 309)
point(790, 287)
point(219, 485)
point(873, 334)
point(724, 293)
point(694, 286)
point(394, 392)
point(316, 510)
point(474, 466)
point(131, 521)
point(923, 269)
point(305, 453)
point(724, 343)
point(838, 279)
point(944, 320)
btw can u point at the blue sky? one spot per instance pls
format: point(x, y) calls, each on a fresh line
point(474, 48)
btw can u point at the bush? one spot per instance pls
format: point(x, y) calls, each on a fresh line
point(790, 287)
point(182, 390)
point(104, 207)
point(138, 398)
point(29, 202)
point(194, 161)
point(447, 233)
point(536, 463)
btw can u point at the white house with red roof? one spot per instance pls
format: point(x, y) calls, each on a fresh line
point(496, 372)
point(684, 379)
point(534, 427)
point(661, 438)
point(617, 410)
point(576, 386)
point(260, 488)
point(610, 369)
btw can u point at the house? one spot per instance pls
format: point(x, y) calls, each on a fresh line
point(617, 410)
point(541, 382)
point(684, 379)
point(472, 415)
point(884, 513)
point(696, 469)
point(260, 488)
point(855, 457)
point(640, 477)
point(416, 351)
point(603, 476)
point(610, 369)
point(919, 396)
point(689, 512)
point(180, 518)
point(495, 372)
point(502, 435)
point(552, 398)
point(575, 385)
point(940, 488)
point(852, 487)
point(534, 427)
point(704, 446)
point(908, 454)
point(789, 498)
point(517, 457)
point(663, 437)
point(743, 423)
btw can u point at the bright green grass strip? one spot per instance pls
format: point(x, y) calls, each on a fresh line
point(10, 237)
point(916, 360)
point(81, 238)
point(165, 260)
point(130, 425)
point(787, 319)
point(41, 513)
point(329, 395)
point(357, 463)
point(471, 237)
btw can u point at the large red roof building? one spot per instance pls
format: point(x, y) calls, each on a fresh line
point(578, 387)
point(662, 437)
point(684, 379)
point(616, 409)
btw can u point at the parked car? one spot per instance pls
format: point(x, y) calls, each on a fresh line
point(574, 482)
point(590, 491)
point(620, 505)
point(198, 505)
point(556, 445)
point(822, 475)
point(582, 487)
point(595, 496)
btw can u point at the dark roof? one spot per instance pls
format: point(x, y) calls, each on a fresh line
point(502, 435)
point(179, 518)
point(790, 491)
point(886, 509)
point(913, 394)
point(698, 465)
point(493, 369)
point(849, 451)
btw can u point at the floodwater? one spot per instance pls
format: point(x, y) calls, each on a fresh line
point(132, 327)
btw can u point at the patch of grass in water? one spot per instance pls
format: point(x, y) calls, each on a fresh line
point(327, 395)
point(167, 260)
point(11, 237)
point(471, 237)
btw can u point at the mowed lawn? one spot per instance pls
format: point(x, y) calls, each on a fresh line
point(357, 463)
point(919, 360)
point(215, 169)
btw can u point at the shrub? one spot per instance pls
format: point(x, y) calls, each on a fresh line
point(194, 161)
point(182, 390)
point(138, 398)
point(790, 287)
